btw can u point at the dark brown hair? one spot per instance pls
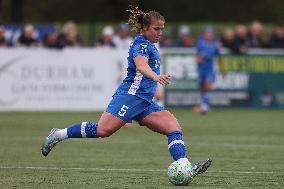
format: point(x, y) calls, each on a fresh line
point(139, 19)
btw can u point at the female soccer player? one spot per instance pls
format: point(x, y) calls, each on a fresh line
point(208, 48)
point(133, 98)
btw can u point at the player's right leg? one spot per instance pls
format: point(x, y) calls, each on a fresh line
point(107, 125)
point(121, 110)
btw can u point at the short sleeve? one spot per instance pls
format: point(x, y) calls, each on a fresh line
point(141, 49)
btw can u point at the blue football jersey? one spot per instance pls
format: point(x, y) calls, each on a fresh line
point(208, 51)
point(135, 83)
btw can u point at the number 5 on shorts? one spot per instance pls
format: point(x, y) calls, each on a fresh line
point(122, 111)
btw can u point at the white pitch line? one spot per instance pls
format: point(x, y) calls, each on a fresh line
point(85, 169)
point(243, 172)
point(128, 170)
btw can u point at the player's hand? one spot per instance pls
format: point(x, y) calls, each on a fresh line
point(163, 79)
point(199, 59)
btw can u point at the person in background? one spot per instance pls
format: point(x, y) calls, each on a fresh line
point(3, 41)
point(166, 40)
point(50, 40)
point(208, 48)
point(255, 38)
point(121, 39)
point(133, 99)
point(227, 38)
point(184, 39)
point(240, 41)
point(276, 39)
point(28, 37)
point(106, 39)
point(69, 36)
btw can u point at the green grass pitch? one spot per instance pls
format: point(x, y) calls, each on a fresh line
point(247, 148)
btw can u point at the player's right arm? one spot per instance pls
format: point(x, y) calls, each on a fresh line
point(143, 67)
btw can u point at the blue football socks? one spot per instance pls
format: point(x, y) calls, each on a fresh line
point(205, 98)
point(176, 145)
point(82, 130)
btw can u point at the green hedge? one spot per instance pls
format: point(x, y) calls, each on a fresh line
point(90, 32)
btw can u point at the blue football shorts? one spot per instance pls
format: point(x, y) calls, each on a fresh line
point(129, 107)
point(205, 76)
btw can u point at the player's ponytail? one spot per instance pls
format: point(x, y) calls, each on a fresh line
point(139, 19)
point(135, 19)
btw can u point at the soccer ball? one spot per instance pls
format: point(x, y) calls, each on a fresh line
point(180, 172)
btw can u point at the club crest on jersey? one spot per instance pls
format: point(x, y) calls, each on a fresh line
point(143, 48)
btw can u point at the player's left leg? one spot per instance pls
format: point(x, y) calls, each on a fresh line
point(206, 86)
point(165, 123)
point(205, 89)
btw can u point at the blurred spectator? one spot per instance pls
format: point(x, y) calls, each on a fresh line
point(3, 41)
point(106, 38)
point(227, 38)
point(184, 39)
point(28, 37)
point(277, 38)
point(165, 40)
point(50, 40)
point(121, 39)
point(240, 41)
point(69, 36)
point(255, 39)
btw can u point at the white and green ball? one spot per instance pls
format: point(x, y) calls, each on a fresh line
point(180, 172)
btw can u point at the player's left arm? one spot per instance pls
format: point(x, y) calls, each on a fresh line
point(143, 67)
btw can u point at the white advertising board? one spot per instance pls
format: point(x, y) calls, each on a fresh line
point(59, 80)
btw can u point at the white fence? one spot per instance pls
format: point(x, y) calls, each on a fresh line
point(54, 80)
point(84, 79)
